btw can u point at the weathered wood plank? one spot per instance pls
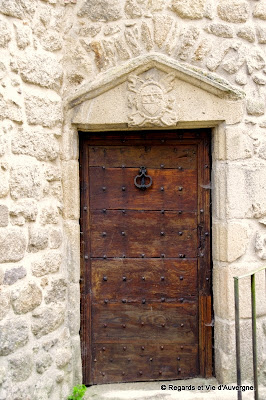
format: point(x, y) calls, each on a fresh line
point(134, 233)
point(182, 156)
point(162, 322)
point(114, 188)
point(140, 279)
point(126, 362)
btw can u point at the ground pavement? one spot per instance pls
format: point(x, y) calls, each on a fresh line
point(196, 389)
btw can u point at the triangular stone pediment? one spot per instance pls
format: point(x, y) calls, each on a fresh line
point(151, 91)
point(194, 75)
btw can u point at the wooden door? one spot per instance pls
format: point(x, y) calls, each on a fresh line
point(145, 286)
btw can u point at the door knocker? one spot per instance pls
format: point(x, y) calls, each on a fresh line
point(142, 178)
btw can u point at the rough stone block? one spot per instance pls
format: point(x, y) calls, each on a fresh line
point(238, 144)
point(18, 8)
point(13, 275)
point(162, 26)
point(261, 34)
point(20, 366)
point(156, 5)
point(260, 11)
point(43, 111)
point(132, 9)
point(25, 181)
point(232, 64)
point(60, 376)
point(47, 319)
point(220, 30)
point(38, 239)
point(238, 198)
point(43, 362)
point(14, 333)
point(132, 41)
point(56, 191)
point(41, 145)
point(21, 390)
point(23, 34)
point(23, 210)
point(262, 151)
point(50, 264)
point(9, 109)
point(12, 245)
point(1, 275)
point(51, 40)
point(224, 332)
point(55, 238)
point(3, 215)
point(4, 187)
point(3, 140)
point(50, 345)
point(247, 33)
point(256, 106)
point(63, 358)
point(233, 10)
point(255, 60)
point(49, 215)
point(241, 78)
point(259, 79)
point(146, 36)
point(188, 38)
point(26, 299)
point(70, 180)
point(5, 35)
point(2, 375)
point(229, 241)
point(121, 48)
point(191, 9)
point(58, 291)
point(53, 173)
point(3, 70)
point(44, 388)
point(4, 303)
point(103, 10)
point(223, 289)
point(244, 198)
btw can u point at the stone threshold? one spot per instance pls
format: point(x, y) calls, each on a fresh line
point(152, 391)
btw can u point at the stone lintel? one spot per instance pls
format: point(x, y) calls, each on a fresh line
point(198, 77)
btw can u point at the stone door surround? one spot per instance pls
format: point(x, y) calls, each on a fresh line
point(157, 92)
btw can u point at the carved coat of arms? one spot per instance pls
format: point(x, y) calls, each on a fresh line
point(151, 102)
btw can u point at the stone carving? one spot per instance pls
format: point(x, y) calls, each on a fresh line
point(151, 101)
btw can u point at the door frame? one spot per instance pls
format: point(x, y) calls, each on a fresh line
point(203, 137)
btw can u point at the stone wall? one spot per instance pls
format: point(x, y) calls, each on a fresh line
point(49, 49)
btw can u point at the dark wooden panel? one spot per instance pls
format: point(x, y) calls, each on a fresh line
point(149, 155)
point(175, 314)
point(126, 362)
point(179, 189)
point(154, 322)
point(136, 280)
point(160, 137)
point(133, 233)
